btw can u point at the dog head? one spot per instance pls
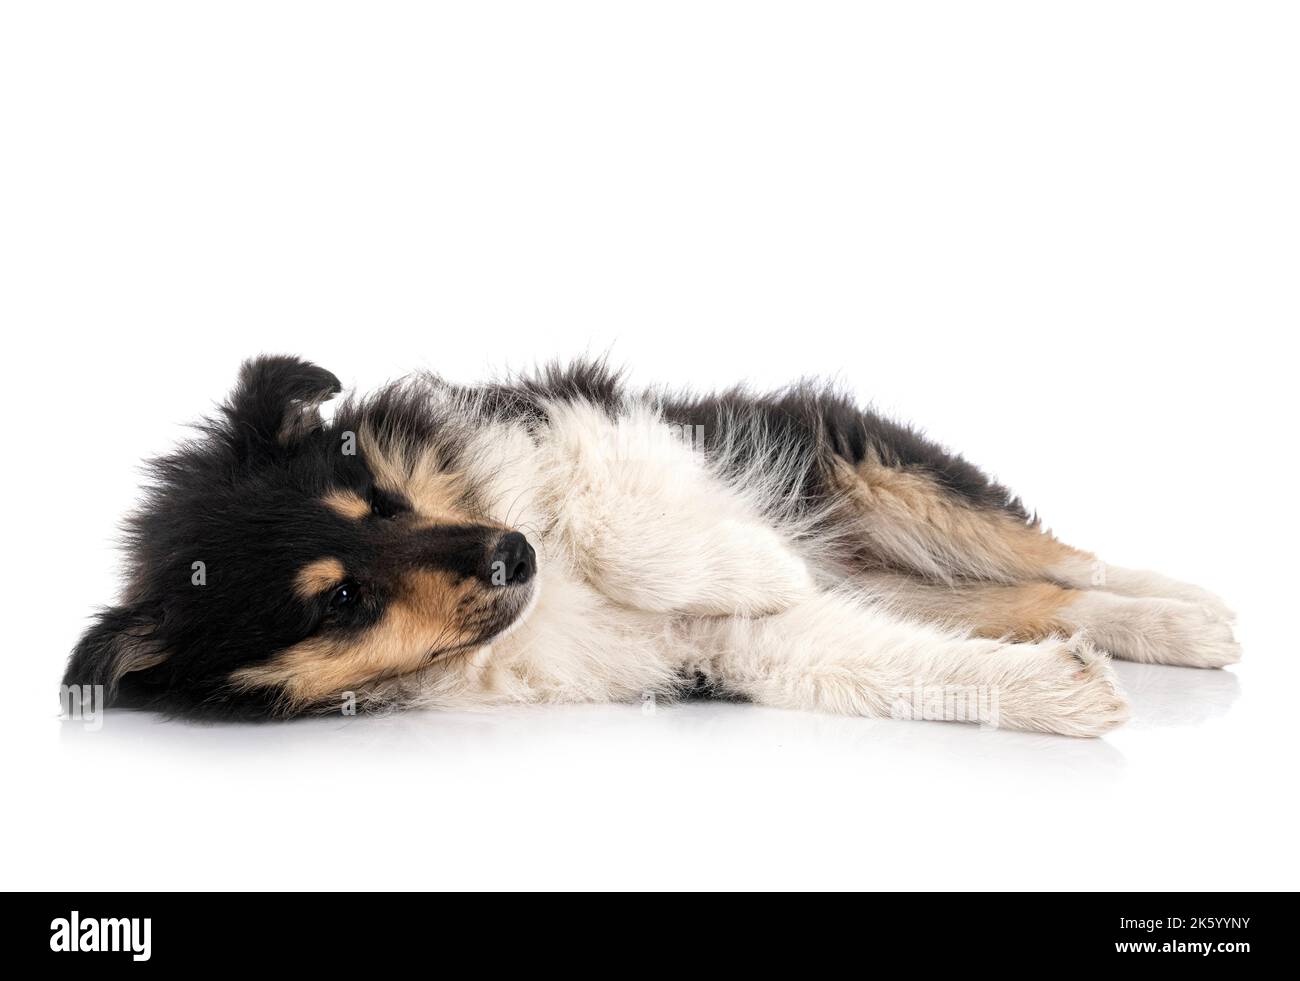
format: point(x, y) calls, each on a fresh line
point(279, 562)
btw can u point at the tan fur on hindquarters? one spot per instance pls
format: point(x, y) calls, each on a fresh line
point(906, 520)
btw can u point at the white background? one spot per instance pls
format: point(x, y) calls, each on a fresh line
point(1062, 238)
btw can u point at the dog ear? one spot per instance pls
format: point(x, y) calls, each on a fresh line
point(276, 402)
point(120, 641)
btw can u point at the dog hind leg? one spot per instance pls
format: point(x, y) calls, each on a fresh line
point(1151, 630)
point(906, 520)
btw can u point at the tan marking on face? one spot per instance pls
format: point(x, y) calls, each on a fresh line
point(419, 474)
point(316, 577)
point(347, 504)
point(908, 520)
point(429, 613)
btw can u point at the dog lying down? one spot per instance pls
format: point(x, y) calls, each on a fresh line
point(559, 538)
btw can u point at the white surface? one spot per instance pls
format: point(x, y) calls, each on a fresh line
point(1063, 241)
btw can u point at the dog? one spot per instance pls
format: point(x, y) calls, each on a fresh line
point(558, 537)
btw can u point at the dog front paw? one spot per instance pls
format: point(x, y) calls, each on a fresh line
point(1064, 686)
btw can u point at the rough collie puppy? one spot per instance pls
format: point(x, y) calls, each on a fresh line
point(558, 538)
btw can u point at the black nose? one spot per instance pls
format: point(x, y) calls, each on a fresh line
point(513, 561)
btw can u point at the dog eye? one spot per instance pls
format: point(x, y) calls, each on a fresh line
point(344, 595)
point(384, 505)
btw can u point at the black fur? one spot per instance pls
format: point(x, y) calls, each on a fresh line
point(806, 414)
